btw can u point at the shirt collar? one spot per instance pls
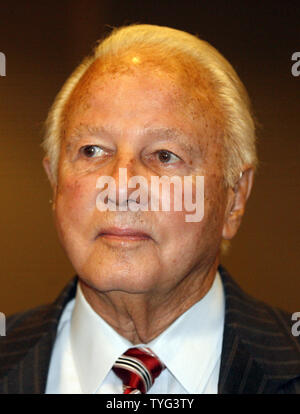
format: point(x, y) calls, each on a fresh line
point(96, 345)
point(197, 337)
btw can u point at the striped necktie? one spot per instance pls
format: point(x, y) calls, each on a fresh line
point(138, 368)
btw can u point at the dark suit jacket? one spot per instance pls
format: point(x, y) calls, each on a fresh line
point(259, 355)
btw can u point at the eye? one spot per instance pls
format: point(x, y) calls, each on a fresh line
point(167, 157)
point(91, 151)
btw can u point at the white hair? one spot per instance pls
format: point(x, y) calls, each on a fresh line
point(239, 134)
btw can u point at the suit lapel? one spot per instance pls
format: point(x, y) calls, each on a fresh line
point(25, 353)
point(259, 353)
point(239, 373)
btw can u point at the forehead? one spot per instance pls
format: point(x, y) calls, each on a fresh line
point(144, 91)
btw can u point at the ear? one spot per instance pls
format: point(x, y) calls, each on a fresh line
point(237, 200)
point(50, 175)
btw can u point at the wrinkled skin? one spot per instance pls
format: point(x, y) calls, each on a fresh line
point(141, 286)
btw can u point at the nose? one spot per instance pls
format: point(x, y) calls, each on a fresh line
point(125, 174)
point(121, 176)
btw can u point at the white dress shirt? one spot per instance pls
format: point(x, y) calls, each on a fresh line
point(86, 348)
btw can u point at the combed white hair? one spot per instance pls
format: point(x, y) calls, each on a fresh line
point(239, 134)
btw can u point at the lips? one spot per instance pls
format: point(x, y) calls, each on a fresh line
point(125, 234)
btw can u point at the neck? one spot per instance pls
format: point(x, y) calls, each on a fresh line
point(141, 317)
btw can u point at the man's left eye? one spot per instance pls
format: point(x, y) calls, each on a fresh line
point(167, 157)
point(91, 151)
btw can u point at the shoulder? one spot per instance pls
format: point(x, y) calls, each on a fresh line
point(17, 320)
point(32, 329)
point(252, 317)
point(249, 309)
point(43, 314)
point(265, 335)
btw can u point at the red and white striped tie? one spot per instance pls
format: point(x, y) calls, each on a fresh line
point(138, 368)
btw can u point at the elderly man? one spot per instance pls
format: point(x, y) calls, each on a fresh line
point(151, 310)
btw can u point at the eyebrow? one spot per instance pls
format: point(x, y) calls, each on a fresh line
point(85, 130)
point(164, 133)
point(173, 134)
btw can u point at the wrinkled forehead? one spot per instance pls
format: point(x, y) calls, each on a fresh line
point(184, 71)
point(189, 86)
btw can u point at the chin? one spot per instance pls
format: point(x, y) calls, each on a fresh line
point(119, 280)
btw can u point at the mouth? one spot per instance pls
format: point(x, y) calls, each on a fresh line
point(123, 234)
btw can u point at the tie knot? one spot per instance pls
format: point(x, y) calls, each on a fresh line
point(138, 368)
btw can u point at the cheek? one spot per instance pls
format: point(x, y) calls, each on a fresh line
point(214, 210)
point(207, 215)
point(178, 237)
point(75, 199)
point(183, 245)
point(197, 217)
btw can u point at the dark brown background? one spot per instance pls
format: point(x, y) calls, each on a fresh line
point(43, 42)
